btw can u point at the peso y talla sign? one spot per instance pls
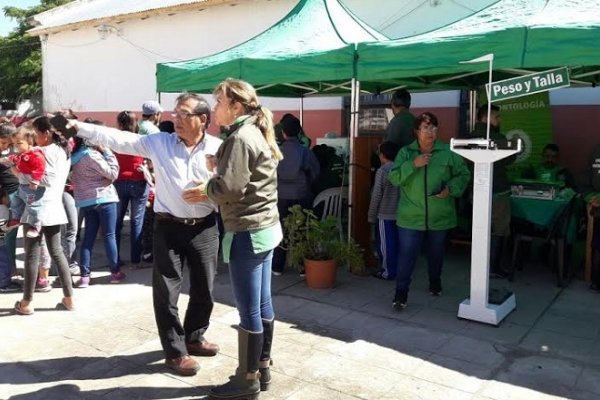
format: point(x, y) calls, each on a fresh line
point(528, 84)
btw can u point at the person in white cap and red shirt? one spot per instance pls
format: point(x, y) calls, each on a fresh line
point(151, 111)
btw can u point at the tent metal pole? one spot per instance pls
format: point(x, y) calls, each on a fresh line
point(354, 98)
point(489, 100)
point(472, 109)
point(302, 110)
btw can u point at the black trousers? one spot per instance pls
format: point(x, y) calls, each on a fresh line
point(32, 260)
point(178, 246)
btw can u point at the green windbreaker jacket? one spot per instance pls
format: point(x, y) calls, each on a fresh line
point(419, 208)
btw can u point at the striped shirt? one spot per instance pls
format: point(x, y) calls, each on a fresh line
point(384, 197)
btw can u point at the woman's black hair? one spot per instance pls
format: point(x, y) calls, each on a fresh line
point(42, 124)
point(166, 126)
point(127, 121)
point(78, 143)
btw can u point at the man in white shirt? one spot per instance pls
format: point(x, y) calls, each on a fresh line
point(185, 228)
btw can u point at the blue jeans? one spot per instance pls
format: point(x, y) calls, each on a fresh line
point(32, 199)
point(69, 230)
point(410, 242)
point(250, 276)
point(135, 192)
point(99, 216)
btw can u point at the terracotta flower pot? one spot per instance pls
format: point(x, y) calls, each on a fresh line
point(320, 274)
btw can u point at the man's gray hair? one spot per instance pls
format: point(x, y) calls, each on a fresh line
point(202, 106)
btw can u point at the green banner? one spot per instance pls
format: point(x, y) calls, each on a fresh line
point(530, 119)
point(528, 84)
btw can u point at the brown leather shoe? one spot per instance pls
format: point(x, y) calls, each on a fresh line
point(184, 365)
point(202, 349)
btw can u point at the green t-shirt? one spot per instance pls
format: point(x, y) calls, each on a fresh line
point(262, 240)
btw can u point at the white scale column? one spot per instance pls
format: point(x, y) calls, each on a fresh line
point(477, 306)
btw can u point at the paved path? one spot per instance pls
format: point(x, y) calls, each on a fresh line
point(344, 343)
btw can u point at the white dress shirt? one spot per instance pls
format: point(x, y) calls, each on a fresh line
point(175, 168)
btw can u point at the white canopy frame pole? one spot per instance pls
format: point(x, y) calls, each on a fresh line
point(302, 111)
point(354, 105)
point(488, 88)
point(472, 109)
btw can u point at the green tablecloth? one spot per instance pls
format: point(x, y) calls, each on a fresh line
point(537, 211)
point(543, 212)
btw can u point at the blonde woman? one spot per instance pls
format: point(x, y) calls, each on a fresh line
point(245, 187)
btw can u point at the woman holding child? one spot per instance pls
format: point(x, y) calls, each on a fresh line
point(52, 216)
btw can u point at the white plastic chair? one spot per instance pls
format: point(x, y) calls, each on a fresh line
point(333, 199)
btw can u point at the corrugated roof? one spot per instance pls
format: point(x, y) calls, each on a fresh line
point(80, 12)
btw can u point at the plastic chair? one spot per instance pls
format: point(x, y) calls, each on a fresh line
point(333, 200)
point(555, 236)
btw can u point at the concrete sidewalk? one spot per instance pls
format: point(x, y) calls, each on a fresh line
point(344, 343)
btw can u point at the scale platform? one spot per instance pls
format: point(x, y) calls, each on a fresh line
point(499, 305)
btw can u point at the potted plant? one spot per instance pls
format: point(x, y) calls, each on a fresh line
point(316, 244)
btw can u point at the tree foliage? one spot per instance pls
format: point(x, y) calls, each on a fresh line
point(21, 55)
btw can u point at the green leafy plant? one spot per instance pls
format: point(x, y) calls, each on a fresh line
point(307, 237)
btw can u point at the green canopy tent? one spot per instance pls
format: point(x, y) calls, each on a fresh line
point(311, 50)
point(524, 35)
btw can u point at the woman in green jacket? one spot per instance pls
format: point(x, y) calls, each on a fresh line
point(430, 178)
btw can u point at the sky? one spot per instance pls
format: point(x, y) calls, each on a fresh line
point(8, 24)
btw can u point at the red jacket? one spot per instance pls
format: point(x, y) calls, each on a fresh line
point(31, 162)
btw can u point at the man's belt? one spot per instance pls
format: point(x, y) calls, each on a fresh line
point(186, 221)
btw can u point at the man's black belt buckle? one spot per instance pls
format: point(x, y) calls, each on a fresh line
point(190, 221)
point(185, 221)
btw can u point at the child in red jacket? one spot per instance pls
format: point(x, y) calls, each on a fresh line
point(29, 166)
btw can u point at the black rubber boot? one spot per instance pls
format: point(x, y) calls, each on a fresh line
point(265, 355)
point(244, 385)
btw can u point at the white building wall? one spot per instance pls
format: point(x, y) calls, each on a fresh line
point(84, 72)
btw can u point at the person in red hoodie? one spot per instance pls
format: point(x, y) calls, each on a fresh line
point(29, 165)
point(132, 189)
